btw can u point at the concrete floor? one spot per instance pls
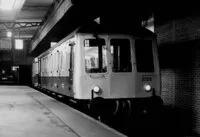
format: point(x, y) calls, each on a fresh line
point(25, 112)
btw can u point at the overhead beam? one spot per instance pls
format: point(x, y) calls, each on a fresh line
point(51, 22)
point(73, 13)
point(18, 25)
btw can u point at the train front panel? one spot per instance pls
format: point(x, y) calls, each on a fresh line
point(91, 75)
point(147, 68)
point(111, 66)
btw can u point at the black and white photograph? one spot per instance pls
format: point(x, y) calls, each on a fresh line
point(99, 68)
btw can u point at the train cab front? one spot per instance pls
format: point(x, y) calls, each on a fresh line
point(121, 77)
point(140, 112)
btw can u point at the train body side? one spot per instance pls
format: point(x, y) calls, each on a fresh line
point(55, 69)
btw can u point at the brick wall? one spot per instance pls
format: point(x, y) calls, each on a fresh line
point(165, 33)
point(179, 50)
point(179, 30)
point(168, 85)
point(180, 70)
point(196, 86)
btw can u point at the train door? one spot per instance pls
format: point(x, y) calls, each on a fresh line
point(121, 75)
point(71, 68)
point(94, 63)
point(39, 72)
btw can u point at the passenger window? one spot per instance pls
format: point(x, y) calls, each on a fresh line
point(121, 55)
point(95, 56)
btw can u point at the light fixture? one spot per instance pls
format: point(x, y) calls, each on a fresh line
point(36, 59)
point(9, 34)
point(147, 87)
point(3, 71)
point(14, 68)
point(7, 4)
point(19, 44)
point(97, 20)
point(53, 43)
point(96, 89)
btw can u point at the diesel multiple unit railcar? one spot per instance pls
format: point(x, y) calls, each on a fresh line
point(101, 66)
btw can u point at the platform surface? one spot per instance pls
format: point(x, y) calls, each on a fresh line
point(25, 112)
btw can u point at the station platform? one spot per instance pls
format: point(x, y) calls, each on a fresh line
point(26, 112)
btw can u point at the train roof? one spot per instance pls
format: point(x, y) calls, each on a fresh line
point(96, 28)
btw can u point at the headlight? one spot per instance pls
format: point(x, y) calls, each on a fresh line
point(96, 89)
point(147, 87)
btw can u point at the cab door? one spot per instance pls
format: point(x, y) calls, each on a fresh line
point(71, 69)
point(121, 74)
point(95, 67)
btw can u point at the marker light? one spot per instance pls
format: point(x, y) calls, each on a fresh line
point(147, 87)
point(96, 89)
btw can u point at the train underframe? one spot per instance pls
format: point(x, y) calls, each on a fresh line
point(139, 112)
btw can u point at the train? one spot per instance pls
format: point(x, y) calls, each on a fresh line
point(100, 67)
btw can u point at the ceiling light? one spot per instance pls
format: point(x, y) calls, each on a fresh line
point(53, 43)
point(9, 34)
point(18, 44)
point(6, 4)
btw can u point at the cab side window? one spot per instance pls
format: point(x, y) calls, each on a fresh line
point(95, 56)
point(121, 55)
